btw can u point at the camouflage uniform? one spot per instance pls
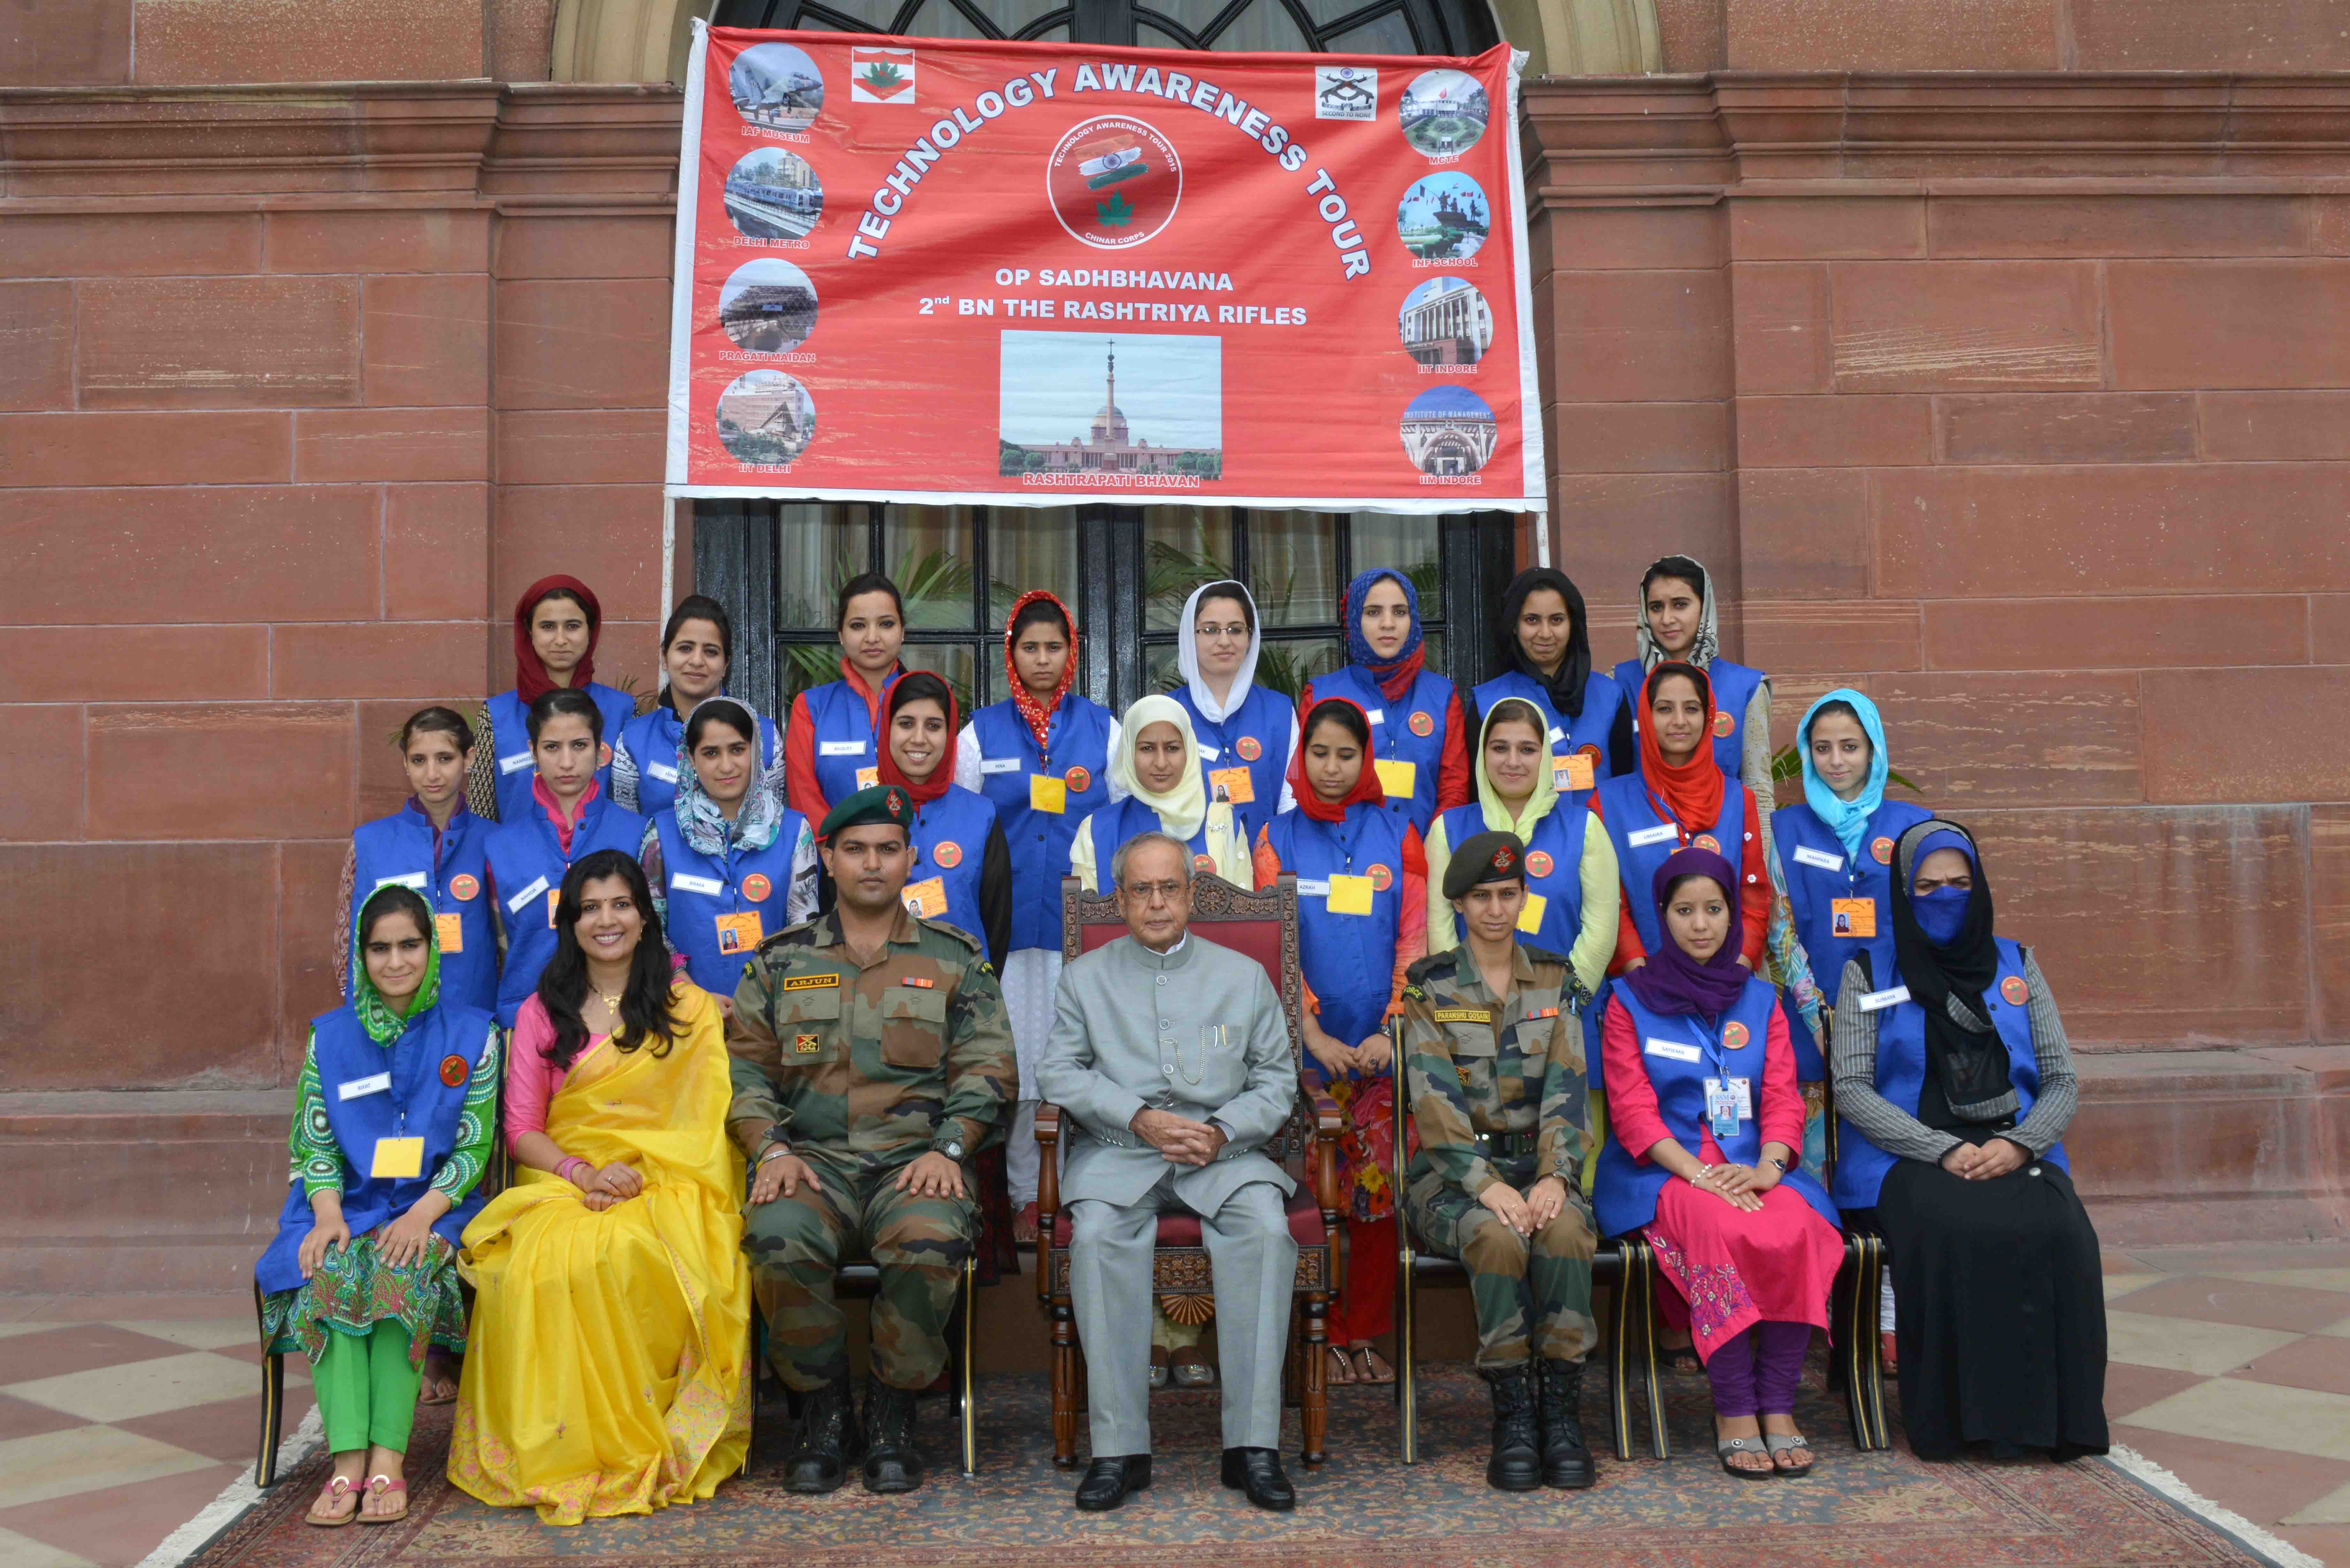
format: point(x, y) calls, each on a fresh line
point(1475, 1061)
point(862, 1068)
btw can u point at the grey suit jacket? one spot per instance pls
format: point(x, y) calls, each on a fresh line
point(1198, 1031)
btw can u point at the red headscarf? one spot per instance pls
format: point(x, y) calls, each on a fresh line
point(942, 777)
point(1038, 715)
point(531, 679)
point(1691, 792)
point(1368, 789)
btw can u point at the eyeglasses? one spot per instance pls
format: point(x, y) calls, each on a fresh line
point(1237, 629)
point(1155, 892)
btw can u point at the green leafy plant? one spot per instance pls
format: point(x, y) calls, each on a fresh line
point(1118, 212)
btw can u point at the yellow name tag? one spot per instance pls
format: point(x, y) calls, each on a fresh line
point(448, 930)
point(554, 896)
point(398, 1157)
point(1233, 785)
point(1047, 792)
point(1853, 917)
point(810, 983)
point(867, 777)
point(739, 933)
point(927, 898)
point(1529, 918)
point(1464, 1015)
point(1350, 896)
point(1399, 779)
point(1574, 770)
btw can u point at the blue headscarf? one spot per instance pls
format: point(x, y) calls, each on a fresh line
point(1395, 675)
point(1848, 819)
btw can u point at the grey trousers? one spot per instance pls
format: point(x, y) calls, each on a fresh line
point(1254, 1264)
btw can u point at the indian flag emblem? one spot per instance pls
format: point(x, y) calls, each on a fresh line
point(881, 75)
point(1118, 159)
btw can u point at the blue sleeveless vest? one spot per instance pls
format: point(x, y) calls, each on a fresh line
point(1623, 1195)
point(1395, 730)
point(1734, 688)
point(652, 740)
point(1819, 873)
point(1645, 840)
point(442, 1043)
point(527, 866)
point(1262, 728)
point(399, 848)
point(705, 887)
point(1116, 823)
point(842, 729)
point(950, 844)
point(1602, 701)
point(1901, 1064)
point(510, 736)
point(1039, 841)
point(1553, 868)
point(1348, 959)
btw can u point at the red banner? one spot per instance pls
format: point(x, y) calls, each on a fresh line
point(1038, 273)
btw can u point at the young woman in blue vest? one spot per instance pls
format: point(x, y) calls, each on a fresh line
point(393, 1117)
point(1544, 640)
point(558, 622)
point(569, 816)
point(1704, 1125)
point(435, 846)
point(1247, 732)
point(1680, 798)
point(1954, 1083)
point(830, 749)
point(1041, 757)
point(1570, 866)
point(1677, 622)
point(962, 869)
point(728, 864)
point(1156, 786)
point(649, 759)
point(1419, 740)
point(1362, 918)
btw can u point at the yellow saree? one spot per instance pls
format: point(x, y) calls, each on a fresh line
point(608, 1368)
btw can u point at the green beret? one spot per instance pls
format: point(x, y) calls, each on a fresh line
point(882, 803)
point(1486, 856)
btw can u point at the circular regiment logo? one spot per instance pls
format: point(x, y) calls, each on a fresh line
point(1114, 181)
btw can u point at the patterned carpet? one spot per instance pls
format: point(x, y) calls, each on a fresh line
point(1853, 1511)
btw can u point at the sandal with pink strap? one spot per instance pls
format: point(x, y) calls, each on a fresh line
point(383, 1486)
point(331, 1497)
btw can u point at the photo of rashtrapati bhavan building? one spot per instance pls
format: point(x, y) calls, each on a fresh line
point(1110, 445)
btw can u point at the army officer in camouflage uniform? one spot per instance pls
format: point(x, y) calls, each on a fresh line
point(1497, 1092)
point(872, 1059)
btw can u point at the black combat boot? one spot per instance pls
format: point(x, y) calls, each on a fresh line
point(1516, 1465)
point(1565, 1460)
point(827, 1442)
point(892, 1462)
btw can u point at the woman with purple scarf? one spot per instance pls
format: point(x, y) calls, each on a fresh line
point(1705, 1125)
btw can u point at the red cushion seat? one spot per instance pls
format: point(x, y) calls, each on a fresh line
point(1178, 1229)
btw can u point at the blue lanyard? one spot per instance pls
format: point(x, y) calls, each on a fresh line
point(1710, 1042)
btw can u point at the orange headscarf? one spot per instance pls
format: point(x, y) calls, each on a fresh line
point(1039, 714)
point(1691, 792)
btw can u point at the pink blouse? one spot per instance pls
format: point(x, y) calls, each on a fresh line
point(1632, 1113)
point(531, 1078)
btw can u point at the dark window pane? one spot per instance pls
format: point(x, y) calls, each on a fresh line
point(1388, 35)
point(1410, 545)
point(1182, 546)
point(819, 546)
point(1294, 567)
point(928, 552)
point(957, 663)
point(1030, 547)
point(1287, 664)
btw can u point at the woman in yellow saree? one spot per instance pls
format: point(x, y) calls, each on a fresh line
point(610, 1359)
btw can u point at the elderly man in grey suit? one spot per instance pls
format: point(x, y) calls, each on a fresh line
point(1171, 1055)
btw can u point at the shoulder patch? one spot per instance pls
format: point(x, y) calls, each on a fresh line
point(1542, 955)
point(961, 937)
point(1414, 993)
point(1435, 966)
point(800, 935)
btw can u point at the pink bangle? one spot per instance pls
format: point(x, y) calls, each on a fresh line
point(564, 1170)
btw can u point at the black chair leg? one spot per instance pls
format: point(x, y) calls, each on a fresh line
point(1659, 1439)
point(273, 1403)
point(1619, 1359)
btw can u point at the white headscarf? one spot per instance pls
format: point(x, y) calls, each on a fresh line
point(1187, 654)
point(1709, 637)
point(1182, 809)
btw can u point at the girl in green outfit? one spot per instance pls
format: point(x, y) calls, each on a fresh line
point(396, 1109)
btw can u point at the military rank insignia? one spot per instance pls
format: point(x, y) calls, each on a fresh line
point(807, 1045)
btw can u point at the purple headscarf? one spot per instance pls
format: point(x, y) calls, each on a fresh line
point(1673, 983)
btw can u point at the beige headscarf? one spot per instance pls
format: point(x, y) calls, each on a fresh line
point(1184, 808)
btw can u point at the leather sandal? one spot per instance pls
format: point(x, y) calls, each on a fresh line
point(336, 1489)
point(1370, 1366)
point(1779, 1443)
point(1727, 1449)
point(381, 1486)
point(1342, 1366)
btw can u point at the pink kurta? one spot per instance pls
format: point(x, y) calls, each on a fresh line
point(531, 1078)
point(1730, 1269)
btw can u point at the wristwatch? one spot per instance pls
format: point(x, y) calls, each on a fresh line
point(951, 1148)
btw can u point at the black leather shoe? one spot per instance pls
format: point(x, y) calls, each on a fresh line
point(1107, 1481)
point(892, 1462)
point(1258, 1472)
point(1516, 1464)
point(1565, 1460)
point(826, 1441)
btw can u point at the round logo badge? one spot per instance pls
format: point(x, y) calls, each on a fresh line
point(1722, 724)
point(1078, 780)
point(1381, 879)
point(1883, 849)
point(1706, 841)
point(1421, 724)
point(1538, 864)
point(1203, 866)
point(1590, 751)
point(1114, 181)
point(1249, 748)
point(463, 887)
point(2014, 989)
point(756, 888)
point(946, 853)
point(453, 1070)
point(1734, 1035)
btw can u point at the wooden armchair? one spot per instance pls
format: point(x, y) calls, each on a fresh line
point(1262, 925)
